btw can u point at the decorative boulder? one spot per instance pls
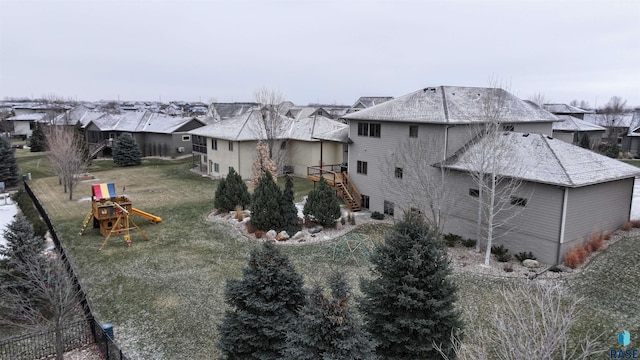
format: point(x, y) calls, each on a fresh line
point(298, 235)
point(282, 236)
point(530, 263)
point(271, 234)
point(316, 229)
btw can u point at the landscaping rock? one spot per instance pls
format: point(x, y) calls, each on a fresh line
point(298, 235)
point(316, 229)
point(530, 263)
point(271, 234)
point(282, 236)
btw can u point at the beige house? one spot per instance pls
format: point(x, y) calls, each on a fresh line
point(299, 143)
point(567, 193)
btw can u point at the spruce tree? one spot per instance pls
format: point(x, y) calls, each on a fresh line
point(221, 200)
point(37, 142)
point(327, 329)
point(408, 305)
point(237, 190)
point(322, 205)
point(264, 305)
point(21, 244)
point(126, 151)
point(265, 208)
point(288, 208)
point(8, 163)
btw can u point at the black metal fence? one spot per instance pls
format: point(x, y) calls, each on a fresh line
point(32, 346)
point(42, 344)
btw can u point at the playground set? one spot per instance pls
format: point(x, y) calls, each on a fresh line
point(112, 214)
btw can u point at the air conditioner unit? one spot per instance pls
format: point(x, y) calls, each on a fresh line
point(181, 149)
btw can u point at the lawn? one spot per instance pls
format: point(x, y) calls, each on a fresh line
point(165, 296)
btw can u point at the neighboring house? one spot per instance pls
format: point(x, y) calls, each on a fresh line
point(574, 131)
point(368, 101)
point(156, 134)
point(231, 143)
point(222, 111)
point(564, 109)
point(616, 125)
point(24, 124)
point(445, 120)
point(633, 134)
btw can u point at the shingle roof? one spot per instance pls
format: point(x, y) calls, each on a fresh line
point(539, 158)
point(28, 117)
point(453, 104)
point(571, 123)
point(609, 120)
point(634, 129)
point(249, 127)
point(564, 109)
point(140, 121)
point(229, 110)
point(369, 101)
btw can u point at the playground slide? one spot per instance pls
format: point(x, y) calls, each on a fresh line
point(146, 215)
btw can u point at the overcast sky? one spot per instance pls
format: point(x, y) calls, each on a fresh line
point(317, 51)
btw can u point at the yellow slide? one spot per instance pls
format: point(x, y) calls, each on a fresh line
point(154, 219)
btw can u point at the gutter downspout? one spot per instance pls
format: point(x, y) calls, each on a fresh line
point(631, 204)
point(563, 222)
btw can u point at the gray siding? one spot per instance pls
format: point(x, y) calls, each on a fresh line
point(535, 228)
point(566, 136)
point(545, 128)
point(596, 208)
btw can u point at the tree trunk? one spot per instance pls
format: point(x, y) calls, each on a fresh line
point(490, 216)
point(59, 342)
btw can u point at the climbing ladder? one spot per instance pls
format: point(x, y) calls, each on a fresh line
point(87, 220)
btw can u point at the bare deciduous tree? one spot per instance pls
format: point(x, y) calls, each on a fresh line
point(262, 163)
point(539, 99)
point(67, 156)
point(533, 322)
point(411, 178)
point(614, 111)
point(273, 124)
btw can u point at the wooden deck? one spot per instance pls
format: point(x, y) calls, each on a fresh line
point(338, 179)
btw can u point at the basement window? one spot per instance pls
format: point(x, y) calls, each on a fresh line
point(518, 201)
point(365, 201)
point(388, 207)
point(413, 131)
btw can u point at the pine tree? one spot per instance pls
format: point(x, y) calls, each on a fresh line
point(237, 190)
point(288, 208)
point(221, 200)
point(8, 163)
point(262, 163)
point(322, 205)
point(126, 152)
point(37, 142)
point(21, 244)
point(264, 305)
point(265, 208)
point(327, 329)
point(409, 304)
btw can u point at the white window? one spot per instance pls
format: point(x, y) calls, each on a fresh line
point(186, 137)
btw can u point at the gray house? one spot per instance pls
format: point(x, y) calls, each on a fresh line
point(578, 132)
point(435, 123)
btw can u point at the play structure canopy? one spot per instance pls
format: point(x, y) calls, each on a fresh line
point(104, 191)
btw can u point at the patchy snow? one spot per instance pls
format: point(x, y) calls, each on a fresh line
point(7, 211)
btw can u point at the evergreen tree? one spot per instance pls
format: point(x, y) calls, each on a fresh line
point(265, 208)
point(288, 208)
point(409, 304)
point(264, 305)
point(326, 329)
point(8, 163)
point(21, 244)
point(237, 190)
point(322, 205)
point(126, 151)
point(584, 141)
point(37, 142)
point(221, 200)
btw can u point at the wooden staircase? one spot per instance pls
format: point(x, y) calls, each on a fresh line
point(341, 181)
point(96, 148)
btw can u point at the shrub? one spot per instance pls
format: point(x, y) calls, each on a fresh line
point(239, 215)
point(469, 242)
point(627, 226)
point(636, 223)
point(377, 215)
point(29, 211)
point(258, 234)
point(498, 250)
point(595, 242)
point(343, 221)
point(352, 219)
point(607, 236)
point(522, 256)
point(322, 205)
point(508, 268)
point(452, 239)
point(250, 228)
point(576, 256)
point(503, 257)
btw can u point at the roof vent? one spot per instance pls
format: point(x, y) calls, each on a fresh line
point(525, 135)
point(432, 90)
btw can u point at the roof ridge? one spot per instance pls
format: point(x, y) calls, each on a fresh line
point(245, 123)
point(546, 139)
